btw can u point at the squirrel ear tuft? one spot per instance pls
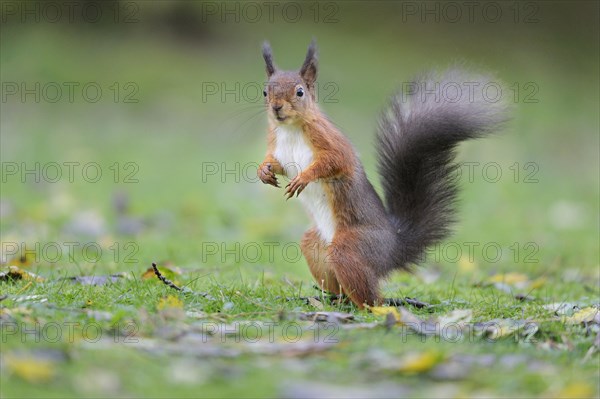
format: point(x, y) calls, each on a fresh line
point(308, 72)
point(268, 56)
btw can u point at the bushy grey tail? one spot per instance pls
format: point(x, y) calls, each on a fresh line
point(416, 144)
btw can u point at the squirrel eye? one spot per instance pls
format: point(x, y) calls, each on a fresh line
point(300, 92)
point(264, 93)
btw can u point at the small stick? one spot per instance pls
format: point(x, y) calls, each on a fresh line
point(175, 286)
point(405, 301)
point(164, 279)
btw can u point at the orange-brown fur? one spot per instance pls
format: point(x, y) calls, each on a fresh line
point(338, 267)
point(357, 240)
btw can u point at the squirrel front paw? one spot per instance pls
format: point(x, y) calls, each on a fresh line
point(296, 186)
point(266, 174)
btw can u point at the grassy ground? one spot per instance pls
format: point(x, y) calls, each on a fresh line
point(177, 187)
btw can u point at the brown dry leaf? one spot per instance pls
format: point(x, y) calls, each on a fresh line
point(15, 273)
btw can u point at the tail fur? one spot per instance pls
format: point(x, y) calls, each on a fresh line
point(416, 146)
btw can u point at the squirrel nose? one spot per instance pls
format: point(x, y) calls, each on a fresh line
point(277, 108)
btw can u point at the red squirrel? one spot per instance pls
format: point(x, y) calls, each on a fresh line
point(357, 238)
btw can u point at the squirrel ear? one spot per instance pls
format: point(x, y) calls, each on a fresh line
point(268, 56)
point(308, 72)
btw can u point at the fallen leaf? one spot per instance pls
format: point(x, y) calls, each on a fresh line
point(500, 328)
point(456, 316)
point(508, 278)
point(385, 310)
point(31, 369)
point(14, 273)
point(95, 280)
point(576, 390)
point(507, 282)
point(166, 271)
point(416, 324)
point(585, 315)
point(537, 283)
point(562, 308)
point(449, 325)
point(329, 317)
point(315, 303)
point(419, 362)
point(25, 260)
point(170, 301)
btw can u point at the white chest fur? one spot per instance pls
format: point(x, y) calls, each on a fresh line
point(294, 155)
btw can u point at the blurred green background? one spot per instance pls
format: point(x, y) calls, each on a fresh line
point(179, 98)
point(171, 57)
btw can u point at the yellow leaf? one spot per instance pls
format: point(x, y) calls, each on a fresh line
point(170, 301)
point(502, 331)
point(169, 273)
point(385, 310)
point(508, 278)
point(585, 315)
point(149, 273)
point(576, 390)
point(420, 362)
point(30, 369)
point(15, 273)
point(537, 283)
point(466, 266)
point(25, 260)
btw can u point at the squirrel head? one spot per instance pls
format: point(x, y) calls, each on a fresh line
point(290, 95)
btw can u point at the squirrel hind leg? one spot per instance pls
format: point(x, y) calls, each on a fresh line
point(354, 272)
point(315, 251)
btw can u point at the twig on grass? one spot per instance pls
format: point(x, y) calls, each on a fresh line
point(171, 284)
point(164, 279)
point(405, 301)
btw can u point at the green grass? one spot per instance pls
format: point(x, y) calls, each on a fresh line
point(193, 222)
